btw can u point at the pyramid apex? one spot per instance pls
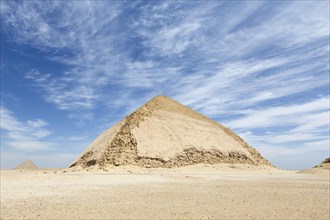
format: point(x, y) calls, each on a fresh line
point(161, 102)
point(161, 97)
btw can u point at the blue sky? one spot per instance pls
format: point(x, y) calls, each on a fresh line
point(71, 69)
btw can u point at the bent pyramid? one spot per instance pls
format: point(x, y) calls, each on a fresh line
point(26, 165)
point(164, 133)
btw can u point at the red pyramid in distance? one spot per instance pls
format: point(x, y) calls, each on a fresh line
point(26, 165)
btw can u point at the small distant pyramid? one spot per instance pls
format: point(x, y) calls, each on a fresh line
point(164, 133)
point(26, 165)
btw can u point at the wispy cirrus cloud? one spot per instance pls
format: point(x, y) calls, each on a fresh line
point(101, 53)
point(77, 38)
point(64, 91)
point(242, 84)
point(170, 29)
point(25, 136)
point(276, 115)
point(300, 130)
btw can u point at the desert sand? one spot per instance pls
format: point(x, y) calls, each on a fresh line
point(192, 192)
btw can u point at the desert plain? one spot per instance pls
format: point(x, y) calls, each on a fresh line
point(166, 161)
point(194, 192)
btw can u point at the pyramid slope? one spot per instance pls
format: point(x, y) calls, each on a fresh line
point(26, 165)
point(164, 133)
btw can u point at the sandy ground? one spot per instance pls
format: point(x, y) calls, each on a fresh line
point(196, 192)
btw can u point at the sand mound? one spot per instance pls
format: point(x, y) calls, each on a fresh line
point(324, 167)
point(27, 165)
point(325, 164)
point(164, 133)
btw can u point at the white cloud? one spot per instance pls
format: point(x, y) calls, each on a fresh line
point(24, 144)
point(187, 32)
point(239, 85)
point(303, 132)
point(171, 30)
point(76, 138)
point(65, 92)
point(76, 37)
point(307, 148)
point(296, 23)
point(302, 156)
point(25, 136)
point(298, 114)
